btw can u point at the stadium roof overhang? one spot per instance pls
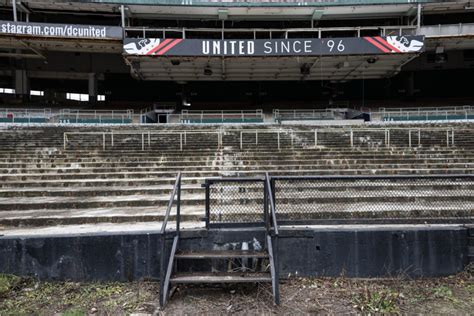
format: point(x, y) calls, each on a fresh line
point(239, 10)
point(45, 44)
point(338, 59)
point(338, 68)
point(450, 42)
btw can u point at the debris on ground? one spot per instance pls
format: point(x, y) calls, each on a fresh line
point(446, 295)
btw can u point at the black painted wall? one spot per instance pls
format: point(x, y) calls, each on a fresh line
point(368, 252)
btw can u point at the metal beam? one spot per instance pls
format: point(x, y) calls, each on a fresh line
point(22, 8)
point(418, 19)
point(34, 50)
point(20, 55)
point(15, 17)
point(223, 68)
point(122, 14)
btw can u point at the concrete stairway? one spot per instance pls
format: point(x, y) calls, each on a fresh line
point(44, 181)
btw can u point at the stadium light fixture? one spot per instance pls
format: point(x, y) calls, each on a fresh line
point(305, 69)
point(412, 11)
point(318, 14)
point(371, 60)
point(342, 65)
point(208, 71)
point(223, 14)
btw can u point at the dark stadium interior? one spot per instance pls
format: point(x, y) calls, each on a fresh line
point(429, 87)
point(430, 79)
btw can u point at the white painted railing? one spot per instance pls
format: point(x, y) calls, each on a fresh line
point(413, 135)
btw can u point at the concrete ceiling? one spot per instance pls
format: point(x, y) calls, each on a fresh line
point(45, 44)
point(338, 68)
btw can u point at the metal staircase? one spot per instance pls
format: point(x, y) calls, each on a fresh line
point(223, 266)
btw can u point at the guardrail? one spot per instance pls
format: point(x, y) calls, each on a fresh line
point(25, 115)
point(413, 135)
point(211, 117)
point(365, 199)
point(427, 109)
point(447, 30)
point(358, 31)
point(285, 3)
point(386, 136)
point(425, 114)
point(25, 111)
point(93, 116)
point(145, 137)
point(243, 33)
point(65, 116)
point(340, 199)
point(314, 114)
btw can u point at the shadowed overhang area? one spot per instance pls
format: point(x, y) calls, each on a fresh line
point(266, 68)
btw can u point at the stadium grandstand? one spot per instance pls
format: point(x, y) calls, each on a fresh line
point(207, 141)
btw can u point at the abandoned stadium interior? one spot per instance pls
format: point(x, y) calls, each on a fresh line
point(235, 141)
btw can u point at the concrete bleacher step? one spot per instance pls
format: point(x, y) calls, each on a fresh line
point(48, 217)
point(97, 182)
point(78, 202)
point(15, 178)
point(230, 167)
point(96, 191)
point(284, 151)
point(163, 189)
point(234, 160)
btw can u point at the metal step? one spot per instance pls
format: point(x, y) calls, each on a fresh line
point(220, 254)
point(207, 277)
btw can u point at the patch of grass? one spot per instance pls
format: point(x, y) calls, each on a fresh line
point(470, 288)
point(7, 283)
point(74, 312)
point(28, 296)
point(378, 301)
point(442, 292)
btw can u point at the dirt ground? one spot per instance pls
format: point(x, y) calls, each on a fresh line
point(447, 295)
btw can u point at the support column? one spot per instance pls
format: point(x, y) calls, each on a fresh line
point(93, 87)
point(15, 17)
point(410, 84)
point(22, 86)
point(418, 19)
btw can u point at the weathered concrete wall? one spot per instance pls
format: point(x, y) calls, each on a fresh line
point(417, 251)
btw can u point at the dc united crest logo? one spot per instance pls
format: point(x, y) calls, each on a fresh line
point(404, 44)
point(141, 47)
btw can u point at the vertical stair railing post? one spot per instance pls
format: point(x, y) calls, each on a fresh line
point(178, 206)
point(162, 269)
point(266, 217)
point(166, 269)
point(272, 237)
point(206, 185)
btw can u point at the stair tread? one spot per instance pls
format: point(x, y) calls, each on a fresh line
point(208, 277)
point(220, 254)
